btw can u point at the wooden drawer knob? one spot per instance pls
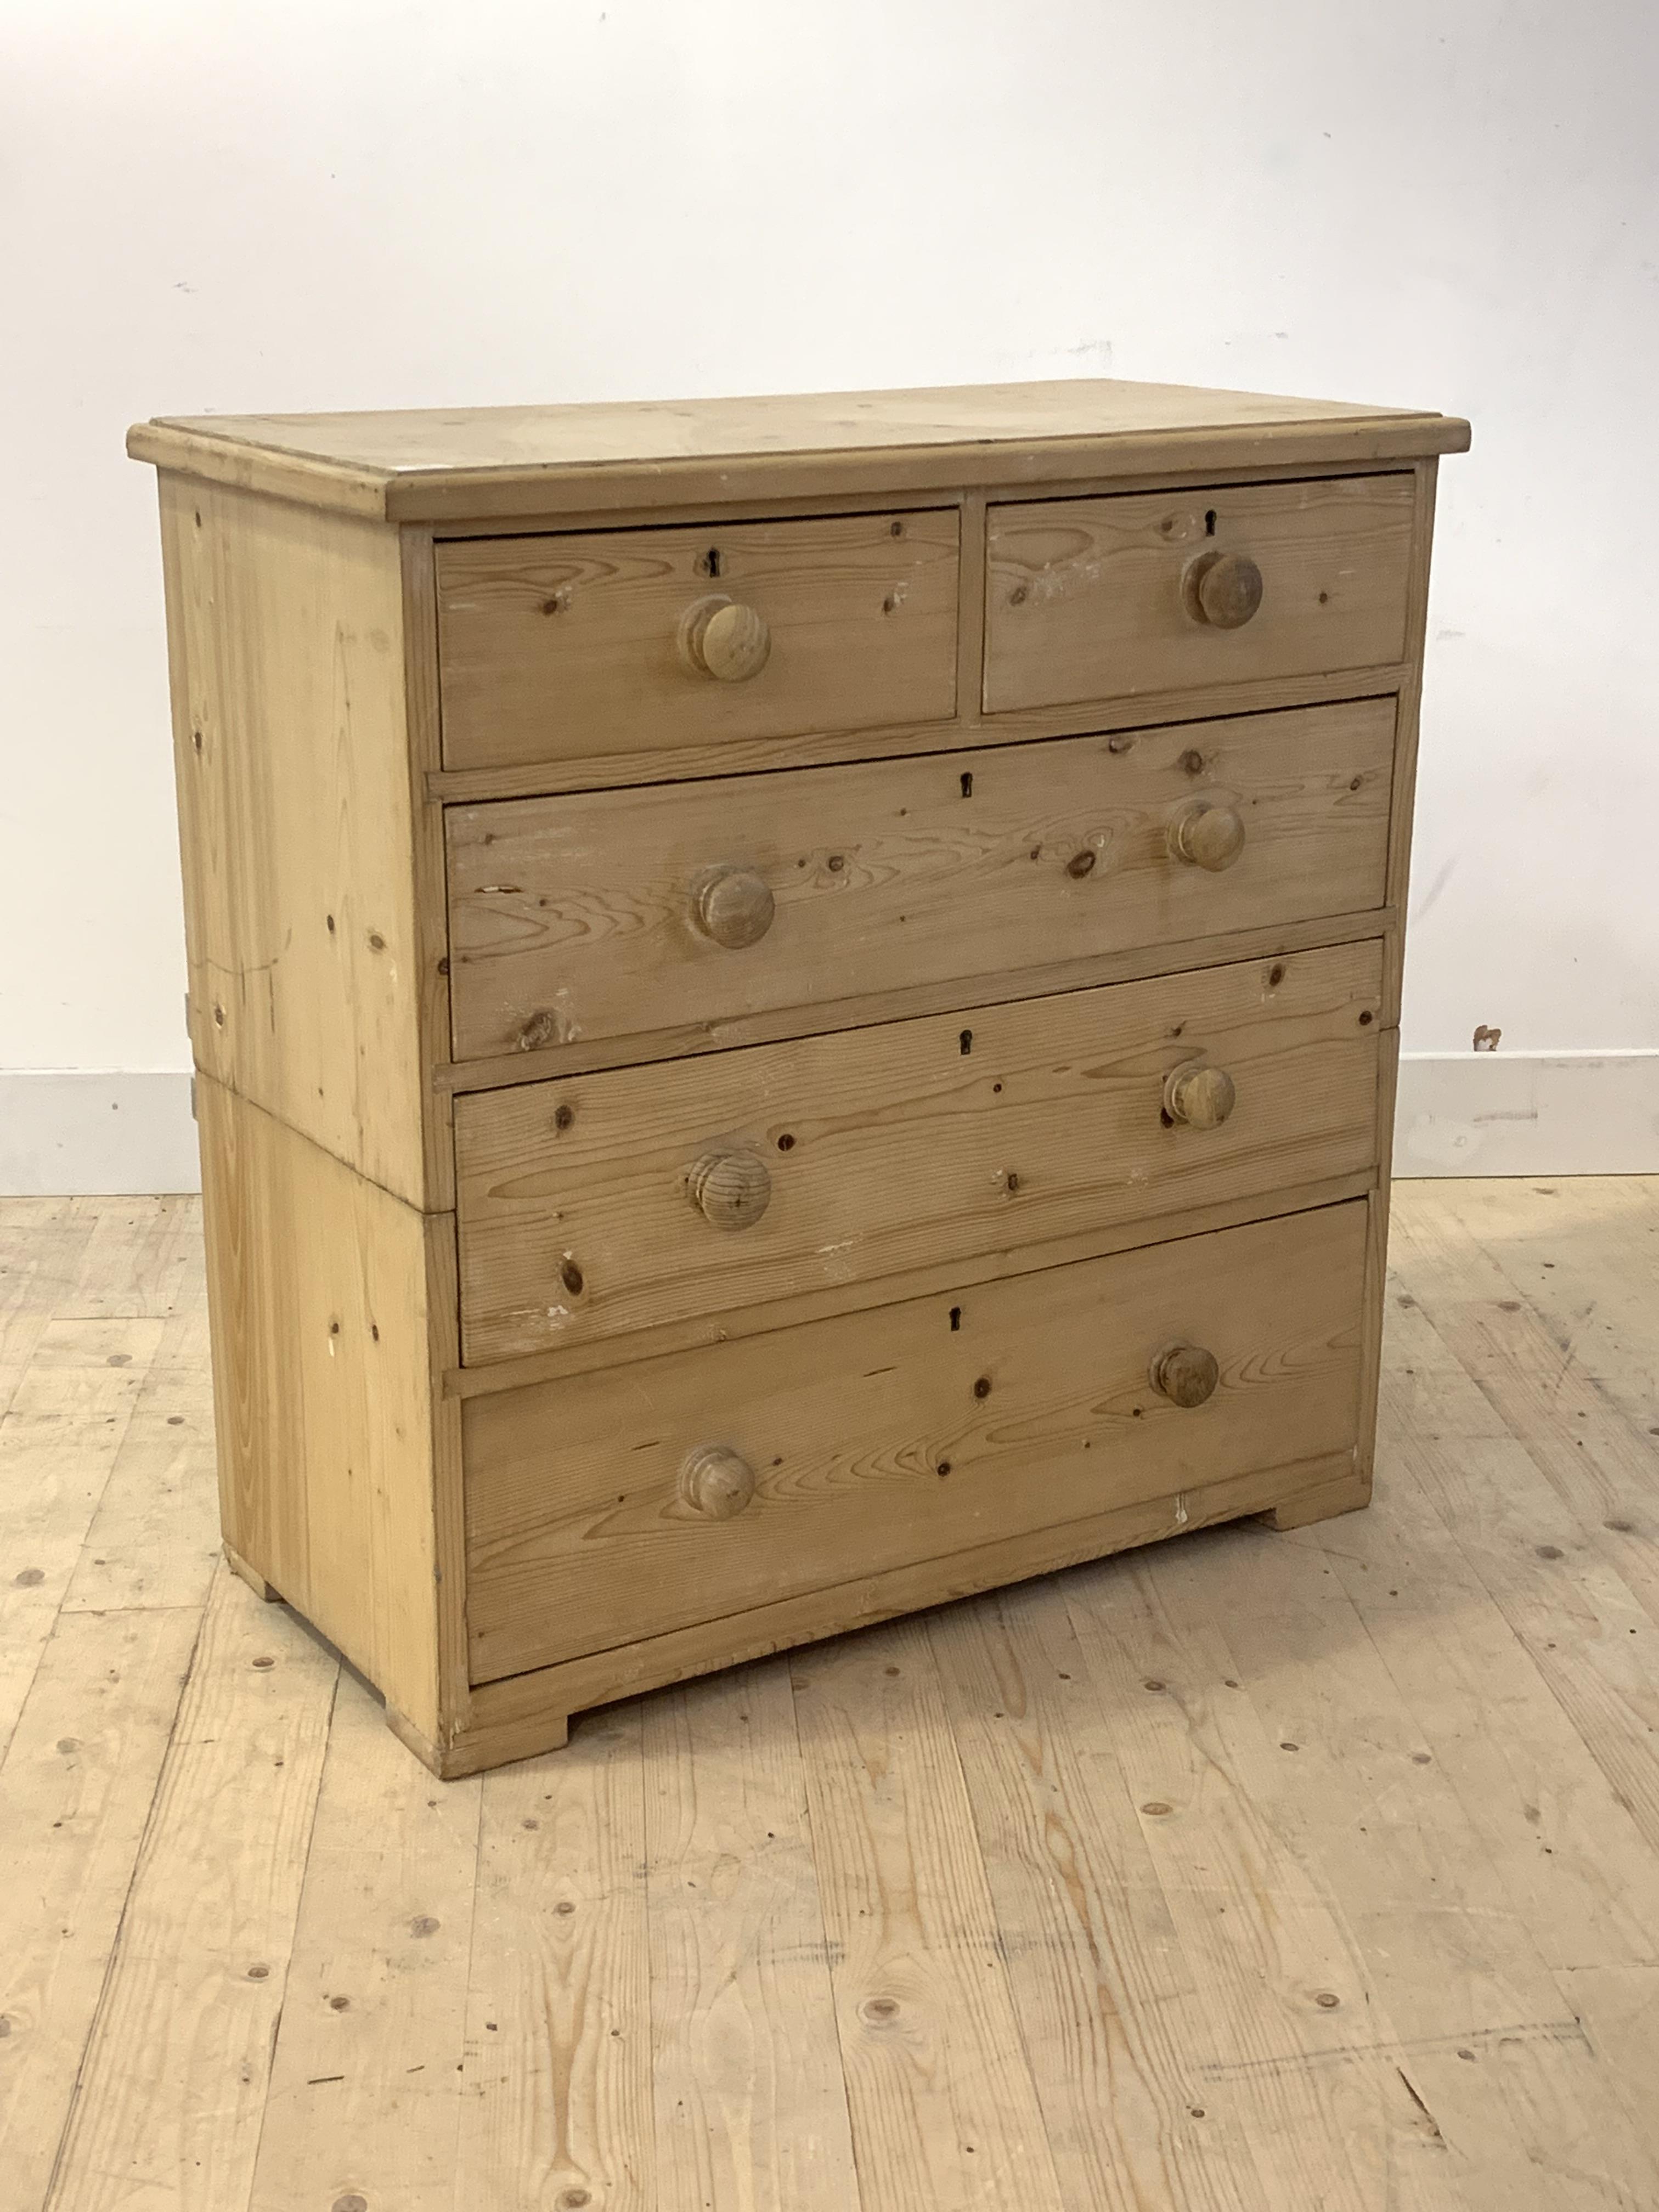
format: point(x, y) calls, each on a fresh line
point(1223, 589)
point(1184, 1373)
point(1208, 836)
point(734, 906)
point(1201, 1095)
point(722, 638)
point(717, 1481)
point(732, 1189)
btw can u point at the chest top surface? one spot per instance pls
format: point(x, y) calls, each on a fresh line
point(449, 464)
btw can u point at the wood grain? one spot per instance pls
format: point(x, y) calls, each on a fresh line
point(1109, 2009)
point(172, 2093)
point(954, 1276)
point(1084, 597)
point(557, 2102)
point(75, 1790)
point(1442, 1946)
point(817, 1019)
point(902, 1145)
point(366, 2081)
point(555, 644)
point(466, 464)
point(524, 1715)
point(901, 1434)
point(945, 2109)
point(327, 1428)
point(577, 916)
point(732, 756)
point(750, 2105)
point(66, 1425)
point(154, 1540)
point(308, 990)
point(1466, 1830)
point(1297, 2054)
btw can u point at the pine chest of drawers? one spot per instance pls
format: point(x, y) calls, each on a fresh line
point(794, 1002)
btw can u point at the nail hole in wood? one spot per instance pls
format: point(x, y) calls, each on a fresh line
point(786, 1142)
point(571, 1276)
point(982, 1387)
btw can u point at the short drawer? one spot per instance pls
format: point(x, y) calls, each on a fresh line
point(659, 913)
point(1170, 591)
point(628, 641)
point(598, 1203)
point(609, 1507)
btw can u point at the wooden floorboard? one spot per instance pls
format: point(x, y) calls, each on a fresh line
point(1247, 1871)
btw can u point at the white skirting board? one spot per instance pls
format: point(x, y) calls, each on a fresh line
point(69, 1131)
point(1527, 1114)
point(1460, 1114)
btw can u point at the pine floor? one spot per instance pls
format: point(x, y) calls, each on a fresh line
point(1252, 1871)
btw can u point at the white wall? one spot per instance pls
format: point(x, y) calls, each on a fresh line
point(351, 202)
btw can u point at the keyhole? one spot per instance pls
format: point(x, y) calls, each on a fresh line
point(967, 785)
point(955, 1317)
point(1209, 522)
point(714, 555)
point(966, 1042)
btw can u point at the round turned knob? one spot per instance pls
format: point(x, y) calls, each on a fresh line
point(1184, 1373)
point(732, 1189)
point(734, 906)
point(717, 1481)
point(1210, 837)
point(1201, 1095)
point(722, 638)
point(1223, 589)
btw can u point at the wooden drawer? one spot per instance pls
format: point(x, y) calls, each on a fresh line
point(590, 645)
point(1106, 598)
point(602, 915)
point(602, 1203)
point(900, 1434)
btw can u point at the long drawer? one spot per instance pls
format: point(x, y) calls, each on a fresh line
point(598, 1203)
point(610, 1506)
point(621, 640)
point(1162, 591)
point(616, 914)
